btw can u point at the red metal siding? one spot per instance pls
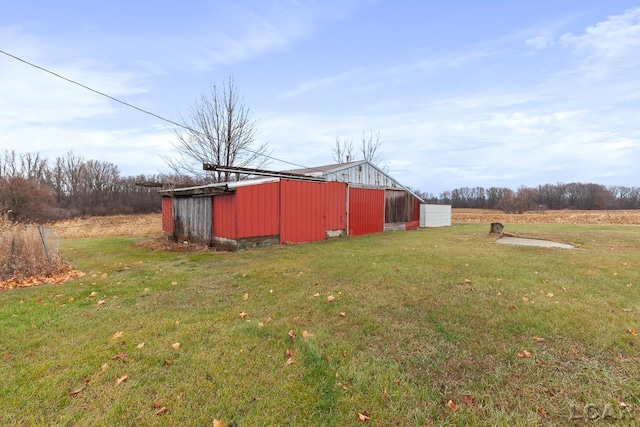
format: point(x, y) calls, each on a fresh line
point(416, 210)
point(225, 216)
point(335, 206)
point(167, 214)
point(366, 211)
point(258, 210)
point(411, 225)
point(302, 214)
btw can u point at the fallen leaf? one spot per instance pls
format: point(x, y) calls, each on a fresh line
point(162, 410)
point(306, 334)
point(524, 354)
point(343, 314)
point(245, 296)
point(290, 361)
point(139, 346)
point(292, 334)
point(330, 298)
point(452, 405)
point(93, 294)
point(122, 379)
point(468, 400)
point(267, 320)
point(244, 274)
point(467, 281)
point(260, 325)
point(542, 412)
point(633, 332)
point(104, 367)
point(288, 352)
point(316, 294)
point(155, 405)
point(100, 302)
point(363, 418)
point(76, 391)
point(539, 339)
point(243, 315)
point(574, 351)
point(121, 356)
point(117, 335)
point(176, 346)
point(549, 391)
point(549, 294)
point(525, 299)
point(218, 423)
point(174, 283)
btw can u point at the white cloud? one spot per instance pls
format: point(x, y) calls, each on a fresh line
point(613, 44)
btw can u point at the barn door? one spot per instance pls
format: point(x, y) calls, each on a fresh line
point(192, 219)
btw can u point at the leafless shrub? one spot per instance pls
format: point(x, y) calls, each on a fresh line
point(26, 250)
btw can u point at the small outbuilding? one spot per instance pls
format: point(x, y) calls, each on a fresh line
point(295, 206)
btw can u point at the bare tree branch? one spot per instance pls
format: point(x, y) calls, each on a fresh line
point(342, 151)
point(221, 131)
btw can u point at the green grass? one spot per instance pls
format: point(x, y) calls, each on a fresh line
point(419, 318)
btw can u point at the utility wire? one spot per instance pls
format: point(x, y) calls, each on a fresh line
point(136, 108)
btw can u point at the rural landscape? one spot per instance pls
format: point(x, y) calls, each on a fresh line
point(437, 326)
point(320, 213)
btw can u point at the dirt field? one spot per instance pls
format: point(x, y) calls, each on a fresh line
point(621, 217)
point(118, 225)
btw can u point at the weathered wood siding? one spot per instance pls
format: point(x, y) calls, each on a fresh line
point(192, 219)
point(398, 206)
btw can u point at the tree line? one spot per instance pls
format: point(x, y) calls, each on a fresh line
point(574, 195)
point(33, 188)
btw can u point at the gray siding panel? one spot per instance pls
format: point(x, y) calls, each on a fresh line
point(193, 219)
point(364, 175)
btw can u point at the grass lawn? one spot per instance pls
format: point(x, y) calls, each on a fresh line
point(429, 327)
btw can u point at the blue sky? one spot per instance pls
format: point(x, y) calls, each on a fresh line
point(463, 93)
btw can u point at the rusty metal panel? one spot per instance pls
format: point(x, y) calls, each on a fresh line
point(167, 215)
point(258, 210)
point(302, 214)
point(335, 206)
point(225, 216)
point(366, 211)
point(192, 217)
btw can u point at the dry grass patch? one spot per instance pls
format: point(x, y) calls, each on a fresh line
point(613, 217)
point(27, 250)
point(102, 226)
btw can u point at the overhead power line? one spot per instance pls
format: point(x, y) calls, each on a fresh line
point(133, 106)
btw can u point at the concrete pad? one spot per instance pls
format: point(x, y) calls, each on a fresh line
point(533, 242)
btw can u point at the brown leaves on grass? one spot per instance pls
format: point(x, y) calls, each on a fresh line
point(289, 355)
point(451, 405)
point(524, 354)
point(122, 379)
point(633, 332)
point(363, 418)
point(66, 274)
point(542, 412)
point(468, 400)
point(117, 335)
point(218, 423)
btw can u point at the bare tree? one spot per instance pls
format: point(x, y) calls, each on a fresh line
point(221, 131)
point(371, 142)
point(342, 151)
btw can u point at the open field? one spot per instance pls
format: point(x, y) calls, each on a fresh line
point(620, 217)
point(429, 327)
point(100, 226)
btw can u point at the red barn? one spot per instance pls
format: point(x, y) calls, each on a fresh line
point(302, 205)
